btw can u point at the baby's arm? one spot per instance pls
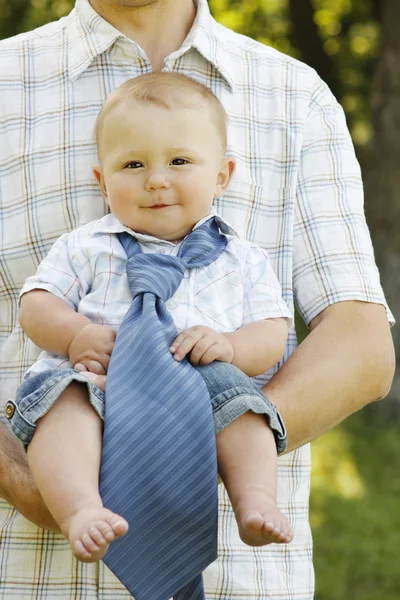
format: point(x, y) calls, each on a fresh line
point(49, 307)
point(258, 346)
point(254, 348)
point(54, 326)
point(260, 343)
point(50, 322)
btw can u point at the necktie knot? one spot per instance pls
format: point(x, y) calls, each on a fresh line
point(157, 274)
point(161, 274)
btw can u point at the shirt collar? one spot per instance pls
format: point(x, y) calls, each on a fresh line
point(110, 224)
point(207, 37)
point(89, 35)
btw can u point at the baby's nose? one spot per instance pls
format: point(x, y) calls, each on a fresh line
point(157, 181)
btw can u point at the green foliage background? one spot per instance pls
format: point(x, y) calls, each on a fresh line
point(355, 511)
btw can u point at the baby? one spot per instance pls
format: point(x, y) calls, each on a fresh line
point(161, 142)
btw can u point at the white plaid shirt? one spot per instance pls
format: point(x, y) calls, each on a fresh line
point(87, 269)
point(296, 193)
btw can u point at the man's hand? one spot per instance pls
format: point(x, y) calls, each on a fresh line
point(30, 504)
point(203, 346)
point(90, 349)
point(17, 485)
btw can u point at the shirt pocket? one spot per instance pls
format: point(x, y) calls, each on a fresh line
point(218, 296)
point(264, 216)
point(258, 213)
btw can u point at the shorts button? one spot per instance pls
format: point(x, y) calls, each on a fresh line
point(9, 410)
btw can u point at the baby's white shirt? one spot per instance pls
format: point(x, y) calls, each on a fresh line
point(87, 269)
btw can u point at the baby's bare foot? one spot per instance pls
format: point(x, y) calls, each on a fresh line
point(260, 521)
point(91, 530)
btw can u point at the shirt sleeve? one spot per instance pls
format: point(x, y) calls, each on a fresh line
point(63, 272)
point(262, 292)
point(333, 258)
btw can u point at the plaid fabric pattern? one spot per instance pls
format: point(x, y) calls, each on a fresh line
point(296, 193)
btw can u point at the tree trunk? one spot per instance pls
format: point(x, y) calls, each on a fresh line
point(305, 36)
point(382, 175)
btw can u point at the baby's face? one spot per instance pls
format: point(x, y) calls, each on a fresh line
point(161, 168)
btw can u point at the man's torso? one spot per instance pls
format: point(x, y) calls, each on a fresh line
point(52, 84)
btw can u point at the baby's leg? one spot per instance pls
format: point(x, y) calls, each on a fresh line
point(247, 452)
point(247, 464)
point(64, 456)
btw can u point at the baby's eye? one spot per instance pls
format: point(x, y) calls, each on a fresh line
point(179, 161)
point(135, 164)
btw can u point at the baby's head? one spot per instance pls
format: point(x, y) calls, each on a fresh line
point(161, 142)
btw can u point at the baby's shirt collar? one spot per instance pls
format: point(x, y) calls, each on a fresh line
point(110, 224)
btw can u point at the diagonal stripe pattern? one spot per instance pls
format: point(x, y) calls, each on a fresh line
point(159, 467)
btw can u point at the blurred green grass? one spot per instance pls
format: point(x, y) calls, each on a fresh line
point(355, 511)
point(355, 507)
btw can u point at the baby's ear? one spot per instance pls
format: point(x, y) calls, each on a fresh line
point(225, 174)
point(98, 173)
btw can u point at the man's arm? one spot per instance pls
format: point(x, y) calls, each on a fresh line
point(17, 485)
point(346, 362)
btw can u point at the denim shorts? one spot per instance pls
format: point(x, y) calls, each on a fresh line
point(232, 393)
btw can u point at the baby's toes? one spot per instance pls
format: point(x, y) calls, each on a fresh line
point(288, 533)
point(282, 536)
point(278, 529)
point(269, 524)
point(101, 534)
point(253, 520)
point(90, 544)
point(80, 551)
point(272, 528)
point(118, 525)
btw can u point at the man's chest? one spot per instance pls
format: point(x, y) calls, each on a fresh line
point(47, 186)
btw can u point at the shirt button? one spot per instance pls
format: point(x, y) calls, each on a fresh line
point(9, 410)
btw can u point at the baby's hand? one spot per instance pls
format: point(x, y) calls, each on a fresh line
point(204, 345)
point(98, 380)
point(91, 348)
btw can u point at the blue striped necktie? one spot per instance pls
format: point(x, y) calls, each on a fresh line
point(159, 467)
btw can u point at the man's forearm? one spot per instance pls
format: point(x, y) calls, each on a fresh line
point(346, 362)
point(13, 464)
point(16, 482)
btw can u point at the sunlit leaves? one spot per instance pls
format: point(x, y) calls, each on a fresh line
point(264, 20)
point(349, 34)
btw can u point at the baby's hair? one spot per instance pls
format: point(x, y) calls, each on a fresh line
point(170, 90)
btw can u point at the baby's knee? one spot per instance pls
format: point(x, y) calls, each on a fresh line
point(222, 377)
